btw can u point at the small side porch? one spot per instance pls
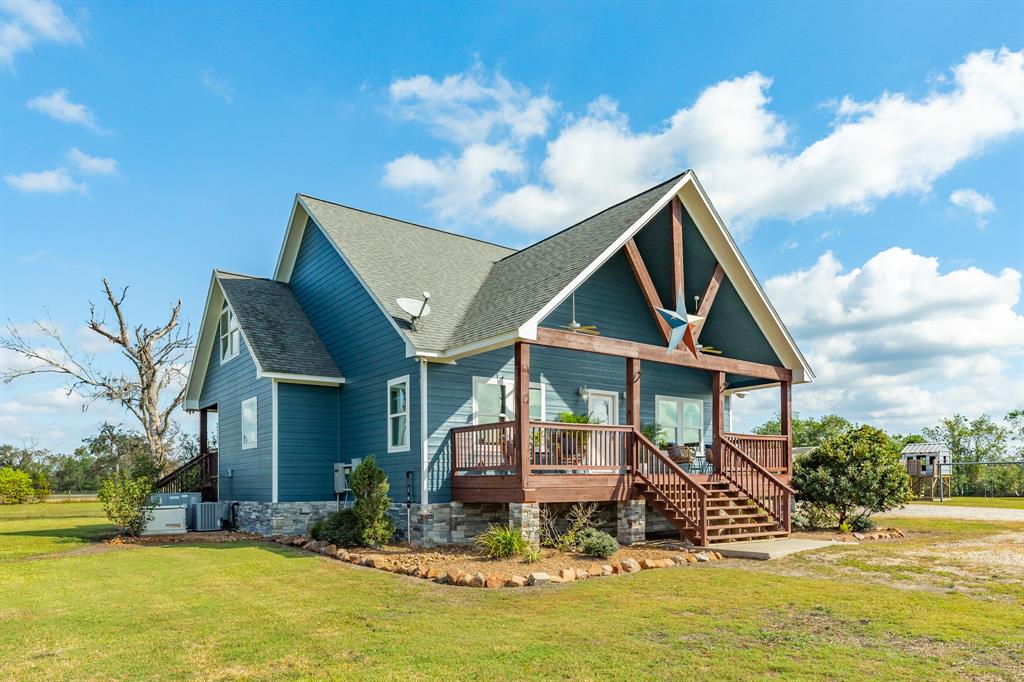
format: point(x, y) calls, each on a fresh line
point(734, 489)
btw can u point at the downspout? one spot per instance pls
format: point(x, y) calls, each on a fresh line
point(424, 435)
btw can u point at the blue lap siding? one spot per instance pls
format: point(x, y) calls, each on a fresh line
point(308, 428)
point(368, 351)
point(244, 474)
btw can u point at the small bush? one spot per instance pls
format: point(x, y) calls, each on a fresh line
point(126, 502)
point(597, 543)
point(15, 486)
point(370, 488)
point(531, 555)
point(580, 517)
point(845, 527)
point(811, 517)
point(340, 528)
point(862, 524)
point(41, 487)
point(501, 542)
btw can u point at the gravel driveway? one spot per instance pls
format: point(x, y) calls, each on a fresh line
point(967, 513)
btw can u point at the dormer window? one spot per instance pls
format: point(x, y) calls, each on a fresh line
point(229, 334)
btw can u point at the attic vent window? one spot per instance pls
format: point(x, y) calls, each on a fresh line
point(229, 334)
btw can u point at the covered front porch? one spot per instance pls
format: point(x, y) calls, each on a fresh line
point(526, 460)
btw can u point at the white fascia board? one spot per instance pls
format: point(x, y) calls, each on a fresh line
point(728, 254)
point(424, 435)
point(273, 440)
point(302, 378)
point(478, 347)
point(528, 329)
point(201, 351)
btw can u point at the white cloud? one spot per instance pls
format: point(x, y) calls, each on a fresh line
point(57, 106)
point(92, 165)
point(742, 150)
point(218, 86)
point(56, 181)
point(899, 343)
point(26, 22)
point(469, 108)
point(974, 201)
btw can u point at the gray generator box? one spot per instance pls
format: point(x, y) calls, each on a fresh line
point(187, 500)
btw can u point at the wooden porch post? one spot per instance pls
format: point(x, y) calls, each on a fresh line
point(522, 428)
point(717, 416)
point(786, 421)
point(633, 392)
point(204, 445)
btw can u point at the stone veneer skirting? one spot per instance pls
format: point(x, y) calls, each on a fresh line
point(450, 522)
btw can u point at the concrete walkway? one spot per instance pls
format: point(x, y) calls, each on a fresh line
point(936, 511)
point(770, 549)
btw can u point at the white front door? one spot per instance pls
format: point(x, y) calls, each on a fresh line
point(603, 407)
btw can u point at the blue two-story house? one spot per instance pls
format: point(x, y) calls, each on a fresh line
point(644, 318)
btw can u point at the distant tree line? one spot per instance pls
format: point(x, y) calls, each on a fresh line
point(993, 445)
point(111, 450)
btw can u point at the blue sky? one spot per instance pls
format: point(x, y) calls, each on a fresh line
point(869, 157)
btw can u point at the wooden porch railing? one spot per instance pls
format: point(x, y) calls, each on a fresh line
point(685, 495)
point(756, 482)
point(771, 452)
point(198, 474)
point(598, 448)
point(484, 447)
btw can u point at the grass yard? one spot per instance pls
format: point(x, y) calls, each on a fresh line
point(263, 611)
point(992, 502)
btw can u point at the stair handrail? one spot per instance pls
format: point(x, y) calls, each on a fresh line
point(694, 510)
point(757, 483)
point(181, 470)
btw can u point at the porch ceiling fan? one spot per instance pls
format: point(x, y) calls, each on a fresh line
point(578, 328)
point(708, 349)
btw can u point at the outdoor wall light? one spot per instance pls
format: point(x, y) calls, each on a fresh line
point(584, 392)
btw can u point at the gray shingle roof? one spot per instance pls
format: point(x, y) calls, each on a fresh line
point(397, 259)
point(478, 290)
point(277, 329)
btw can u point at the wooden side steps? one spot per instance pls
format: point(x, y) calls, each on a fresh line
point(731, 515)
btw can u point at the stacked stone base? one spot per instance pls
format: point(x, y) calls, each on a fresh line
point(452, 522)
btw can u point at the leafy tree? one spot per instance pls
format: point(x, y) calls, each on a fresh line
point(370, 488)
point(852, 475)
point(15, 486)
point(969, 441)
point(807, 432)
point(126, 502)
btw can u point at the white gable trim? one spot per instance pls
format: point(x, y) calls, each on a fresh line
point(290, 251)
point(714, 232)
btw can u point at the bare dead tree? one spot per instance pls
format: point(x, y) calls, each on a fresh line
point(157, 356)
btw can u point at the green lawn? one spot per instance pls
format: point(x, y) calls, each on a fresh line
point(261, 611)
point(34, 529)
point(994, 502)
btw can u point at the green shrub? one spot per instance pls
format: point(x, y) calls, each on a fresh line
point(340, 528)
point(531, 555)
point(852, 474)
point(579, 517)
point(126, 502)
point(862, 524)
point(15, 486)
point(597, 543)
point(370, 487)
point(811, 517)
point(501, 542)
point(41, 487)
point(845, 527)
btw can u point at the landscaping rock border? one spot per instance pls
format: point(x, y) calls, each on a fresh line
point(453, 576)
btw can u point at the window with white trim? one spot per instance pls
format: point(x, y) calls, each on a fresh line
point(494, 400)
point(249, 423)
point(230, 335)
point(398, 414)
point(681, 420)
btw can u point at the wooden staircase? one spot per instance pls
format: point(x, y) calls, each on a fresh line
point(741, 502)
point(198, 475)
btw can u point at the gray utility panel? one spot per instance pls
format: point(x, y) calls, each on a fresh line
point(187, 500)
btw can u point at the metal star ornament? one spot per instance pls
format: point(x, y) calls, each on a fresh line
point(682, 325)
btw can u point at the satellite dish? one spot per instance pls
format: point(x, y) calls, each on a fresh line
point(415, 308)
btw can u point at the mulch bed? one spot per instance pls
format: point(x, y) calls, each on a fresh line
point(465, 566)
point(214, 536)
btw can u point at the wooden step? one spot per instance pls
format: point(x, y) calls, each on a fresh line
point(743, 537)
point(771, 525)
